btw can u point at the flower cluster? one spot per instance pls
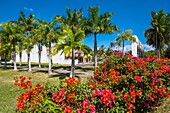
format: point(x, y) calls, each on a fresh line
point(72, 81)
point(121, 83)
point(106, 96)
point(32, 96)
point(22, 82)
point(59, 96)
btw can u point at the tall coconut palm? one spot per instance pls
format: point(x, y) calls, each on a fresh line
point(40, 40)
point(69, 42)
point(74, 19)
point(5, 50)
point(28, 34)
point(99, 24)
point(22, 23)
point(126, 35)
point(156, 35)
point(50, 34)
point(12, 33)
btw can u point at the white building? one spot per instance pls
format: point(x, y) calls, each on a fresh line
point(58, 58)
point(137, 48)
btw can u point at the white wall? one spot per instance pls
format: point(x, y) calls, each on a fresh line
point(137, 47)
point(58, 58)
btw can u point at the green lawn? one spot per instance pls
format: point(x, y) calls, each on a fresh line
point(9, 92)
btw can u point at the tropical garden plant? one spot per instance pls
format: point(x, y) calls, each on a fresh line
point(47, 34)
point(158, 35)
point(126, 35)
point(69, 43)
point(98, 24)
point(140, 85)
point(11, 33)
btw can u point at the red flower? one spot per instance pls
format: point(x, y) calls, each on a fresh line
point(125, 96)
point(138, 78)
point(68, 109)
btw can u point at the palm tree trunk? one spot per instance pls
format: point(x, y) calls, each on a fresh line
point(49, 60)
point(72, 64)
point(29, 63)
point(39, 55)
point(20, 58)
point(157, 48)
point(5, 65)
point(14, 59)
point(123, 47)
point(0, 60)
point(95, 51)
point(169, 44)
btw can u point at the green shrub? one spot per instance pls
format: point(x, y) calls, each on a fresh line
point(120, 84)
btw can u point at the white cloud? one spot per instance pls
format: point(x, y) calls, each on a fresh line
point(29, 9)
point(129, 47)
point(25, 8)
point(126, 48)
point(148, 47)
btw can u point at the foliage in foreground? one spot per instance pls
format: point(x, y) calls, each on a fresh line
point(120, 84)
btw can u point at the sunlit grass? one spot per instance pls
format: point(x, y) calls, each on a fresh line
point(9, 92)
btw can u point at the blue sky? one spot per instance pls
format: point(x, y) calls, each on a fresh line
point(129, 14)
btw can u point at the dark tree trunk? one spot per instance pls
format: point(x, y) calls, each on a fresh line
point(39, 55)
point(49, 60)
point(20, 58)
point(72, 74)
point(95, 50)
point(123, 47)
point(0, 60)
point(157, 48)
point(5, 65)
point(29, 63)
point(14, 59)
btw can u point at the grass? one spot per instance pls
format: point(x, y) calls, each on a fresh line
point(9, 92)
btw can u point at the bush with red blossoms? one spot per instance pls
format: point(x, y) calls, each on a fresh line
point(122, 83)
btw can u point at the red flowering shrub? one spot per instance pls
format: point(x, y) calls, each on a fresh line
point(120, 84)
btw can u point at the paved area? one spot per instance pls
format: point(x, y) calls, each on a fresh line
point(81, 70)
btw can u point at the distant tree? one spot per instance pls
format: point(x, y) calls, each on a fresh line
point(167, 53)
point(126, 35)
point(149, 53)
point(101, 52)
point(129, 52)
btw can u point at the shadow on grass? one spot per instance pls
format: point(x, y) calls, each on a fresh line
point(62, 76)
point(85, 69)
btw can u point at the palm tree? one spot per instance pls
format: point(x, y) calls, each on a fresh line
point(40, 40)
point(12, 34)
point(22, 23)
point(101, 51)
point(99, 24)
point(5, 50)
point(50, 34)
point(69, 42)
point(29, 25)
point(156, 35)
point(126, 35)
